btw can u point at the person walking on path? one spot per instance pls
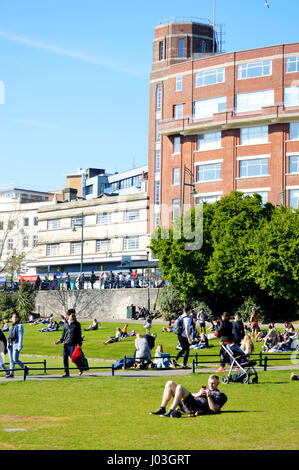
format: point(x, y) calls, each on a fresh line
point(3, 350)
point(15, 344)
point(184, 338)
point(71, 337)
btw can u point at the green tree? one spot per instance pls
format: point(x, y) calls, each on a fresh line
point(275, 253)
point(25, 300)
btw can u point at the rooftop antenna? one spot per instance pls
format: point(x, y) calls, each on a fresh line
point(214, 1)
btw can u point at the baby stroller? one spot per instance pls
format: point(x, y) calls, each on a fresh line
point(238, 358)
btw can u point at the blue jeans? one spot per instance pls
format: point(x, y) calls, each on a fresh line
point(67, 352)
point(14, 358)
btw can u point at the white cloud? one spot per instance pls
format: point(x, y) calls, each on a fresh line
point(102, 62)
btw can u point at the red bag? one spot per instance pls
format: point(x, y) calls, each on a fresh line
point(76, 355)
point(79, 359)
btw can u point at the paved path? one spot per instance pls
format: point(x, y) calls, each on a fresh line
point(138, 373)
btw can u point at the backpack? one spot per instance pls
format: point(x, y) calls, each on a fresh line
point(119, 364)
point(178, 326)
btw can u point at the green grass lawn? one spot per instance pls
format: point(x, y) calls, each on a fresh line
point(113, 413)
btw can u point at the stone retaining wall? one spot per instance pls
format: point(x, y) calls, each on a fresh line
point(107, 304)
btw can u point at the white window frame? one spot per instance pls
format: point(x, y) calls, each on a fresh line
point(103, 246)
point(78, 220)
point(104, 218)
point(157, 192)
point(254, 101)
point(261, 67)
point(209, 77)
point(175, 205)
point(130, 243)
point(53, 224)
point(291, 96)
point(294, 191)
point(131, 215)
point(294, 129)
point(296, 158)
point(179, 83)
point(290, 61)
point(75, 248)
point(208, 141)
point(254, 135)
point(157, 160)
point(248, 163)
point(176, 176)
point(203, 109)
point(176, 145)
point(52, 249)
point(205, 169)
point(178, 111)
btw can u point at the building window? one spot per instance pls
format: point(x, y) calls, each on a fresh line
point(208, 199)
point(209, 141)
point(175, 176)
point(156, 220)
point(203, 47)
point(209, 77)
point(26, 222)
point(88, 189)
point(158, 97)
point(175, 208)
point(294, 164)
point(52, 249)
point(254, 135)
point(294, 198)
point(161, 50)
point(157, 135)
point(25, 241)
point(75, 248)
point(1, 225)
point(207, 108)
point(292, 64)
point(291, 96)
point(53, 224)
point(208, 172)
point(181, 47)
point(157, 161)
point(254, 101)
point(78, 220)
point(294, 131)
point(254, 167)
point(262, 68)
point(103, 246)
point(178, 111)
point(10, 225)
point(178, 84)
point(104, 218)
point(35, 241)
point(176, 144)
point(263, 194)
point(157, 192)
point(10, 244)
point(131, 243)
point(131, 215)
point(35, 221)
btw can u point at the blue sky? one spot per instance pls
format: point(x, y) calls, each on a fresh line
point(76, 76)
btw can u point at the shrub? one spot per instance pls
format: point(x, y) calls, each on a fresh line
point(169, 302)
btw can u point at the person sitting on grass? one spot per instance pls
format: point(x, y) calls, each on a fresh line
point(247, 345)
point(115, 338)
point(207, 401)
point(162, 359)
point(285, 344)
point(53, 326)
point(94, 326)
point(142, 353)
point(124, 331)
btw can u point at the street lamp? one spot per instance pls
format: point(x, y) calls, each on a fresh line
point(192, 184)
point(148, 291)
point(74, 230)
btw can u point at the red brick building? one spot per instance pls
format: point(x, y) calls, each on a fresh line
point(220, 121)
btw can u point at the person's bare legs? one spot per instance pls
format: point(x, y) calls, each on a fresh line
point(178, 392)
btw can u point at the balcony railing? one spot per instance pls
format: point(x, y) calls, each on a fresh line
point(227, 119)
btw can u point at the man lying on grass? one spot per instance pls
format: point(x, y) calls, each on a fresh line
point(207, 401)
